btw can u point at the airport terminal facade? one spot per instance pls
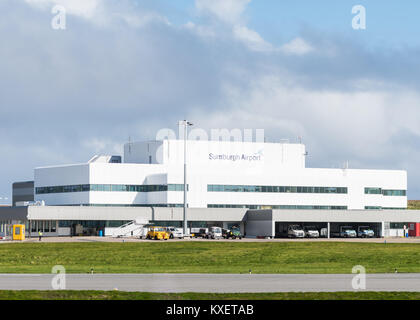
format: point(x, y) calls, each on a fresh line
point(227, 183)
point(220, 175)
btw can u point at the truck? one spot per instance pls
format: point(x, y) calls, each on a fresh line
point(295, 231)
point(365, 232)
point(199, 232)
point(215, 233)
point(347, 232)
point(233, 233)
point(311, 232)
point(174, 232)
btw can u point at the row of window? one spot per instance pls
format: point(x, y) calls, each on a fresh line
point(43, 226)
point(398, 225)
point(280, 189)
point(385, 192)
point(210, 188)
point(110, 187)
point(248, 206)
point(92, 223)
point(401, 193)
point(100, 224)
point(383, 208)
point(289, 207)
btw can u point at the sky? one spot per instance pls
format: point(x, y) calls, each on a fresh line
point(126, 68)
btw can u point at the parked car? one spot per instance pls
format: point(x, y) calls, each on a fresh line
point(365, 232)
point(157, 233)
point(295, 231)
point(174, 232)
point(347, 232)
point(311, 232)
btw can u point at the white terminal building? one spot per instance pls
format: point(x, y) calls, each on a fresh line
point(220, 175)
point(261, 186)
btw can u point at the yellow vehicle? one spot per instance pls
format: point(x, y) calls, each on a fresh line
point(18, 232)
point(157, 233)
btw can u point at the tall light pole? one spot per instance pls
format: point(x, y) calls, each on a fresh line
point(186, 124)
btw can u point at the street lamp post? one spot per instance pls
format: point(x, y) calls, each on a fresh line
point(186, 124)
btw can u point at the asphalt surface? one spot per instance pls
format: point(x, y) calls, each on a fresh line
point(129, 239)
point(217, 283)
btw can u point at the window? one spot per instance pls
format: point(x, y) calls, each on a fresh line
point(398, 225)
point(373, 191)
point(276, 189)
point(394, 192)
point(46, 226)
point(64, 223)
point(53, 226)
point(385, 192)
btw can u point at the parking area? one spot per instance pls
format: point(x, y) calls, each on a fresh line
point(320, 230)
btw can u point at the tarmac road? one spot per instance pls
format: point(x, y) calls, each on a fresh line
point(217, 283)
point(111, 239)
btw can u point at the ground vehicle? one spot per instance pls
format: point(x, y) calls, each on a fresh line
point(295, 231)
point(311, 232)
point(347, 232)
point(174, 232)
point(365, 232)
point(199, 232)
point(157, 233)
point(234, 232)
point(214, 233)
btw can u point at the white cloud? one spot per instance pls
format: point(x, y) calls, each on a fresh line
point(202, 31)
point(251, 38)
point(101, 145)
point(103, 12)
point(229, 11)
point(126, 82)
point(297, 46)
point(139, 20)
point(363, 126)
point(84, 8)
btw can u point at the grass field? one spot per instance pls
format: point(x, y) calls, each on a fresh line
point(119, 295)
point(413, 204)
point(209, 257)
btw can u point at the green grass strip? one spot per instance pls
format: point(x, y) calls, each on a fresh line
point(119, 295)
point(209, 257)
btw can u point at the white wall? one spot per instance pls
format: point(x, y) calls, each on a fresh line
point(62, 175)
point(143, 152)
